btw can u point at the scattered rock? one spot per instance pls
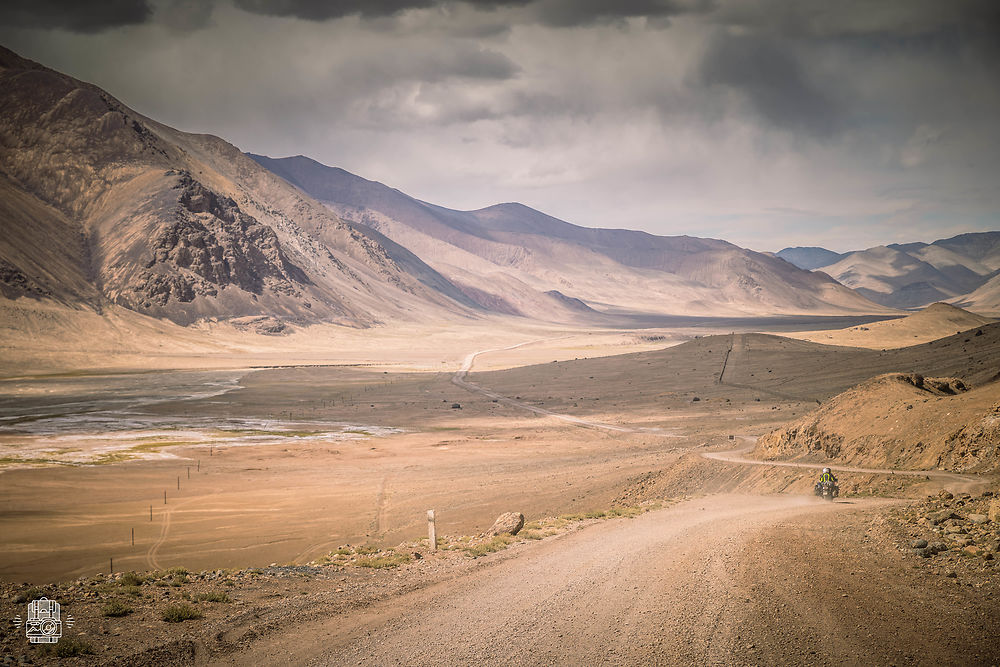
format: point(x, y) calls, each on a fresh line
point(978, 518)
point(509, 523)
point(951, 574)
point(456, 406)
point(942, 515)
point(937, 547)
point(945, 494)
point(919, 544)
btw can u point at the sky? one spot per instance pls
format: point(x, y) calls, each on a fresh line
point(768, 123)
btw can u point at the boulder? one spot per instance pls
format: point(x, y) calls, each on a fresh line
point(509, 523)
point(994, 511)
point(918, 544)
point(978, 518)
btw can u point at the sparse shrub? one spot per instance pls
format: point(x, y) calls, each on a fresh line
point(69, 647)
point(343, 551)
point(496, 544)
point(30, 594)
point(213, 596)
point(131, 579)
point(383, 562)
point(178, 578)
point(116, 608)
point(178, 571)
point(228, 582)
point(625, 511)
point(176, 613)
point(531, 535)
point(366, 549)
point(134, 591)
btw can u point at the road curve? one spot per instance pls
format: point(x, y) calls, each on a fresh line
point(738, 456)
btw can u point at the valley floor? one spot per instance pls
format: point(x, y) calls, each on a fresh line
point(714, 579)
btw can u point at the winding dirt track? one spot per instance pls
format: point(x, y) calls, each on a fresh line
point(459, 380)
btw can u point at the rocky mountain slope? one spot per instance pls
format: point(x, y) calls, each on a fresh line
point(900, 420)
point(515, 259)
point(101, 205)
point(912, 275)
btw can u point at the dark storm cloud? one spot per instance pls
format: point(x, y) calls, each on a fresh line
point(552, 13)
point(84, 17)
point(568, 13)
point(776, 84)
point(320, 10)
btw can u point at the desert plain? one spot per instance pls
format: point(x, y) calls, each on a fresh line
point(645, 544)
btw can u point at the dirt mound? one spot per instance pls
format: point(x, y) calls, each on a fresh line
point(898, 420)
point(932, 323)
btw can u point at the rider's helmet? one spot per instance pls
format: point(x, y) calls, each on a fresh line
point(826, 470)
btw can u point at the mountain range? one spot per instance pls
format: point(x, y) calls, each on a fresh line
point(517, 260)
point(963, 270)
point(102, 206)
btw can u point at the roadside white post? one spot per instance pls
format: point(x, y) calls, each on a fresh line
point(432, 530)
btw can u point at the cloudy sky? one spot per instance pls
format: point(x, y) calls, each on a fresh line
point(765, 122)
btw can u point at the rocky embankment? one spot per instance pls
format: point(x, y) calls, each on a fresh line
point(958, 537)
point(898, 420)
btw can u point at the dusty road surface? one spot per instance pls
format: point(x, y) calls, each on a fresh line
point(674, 586)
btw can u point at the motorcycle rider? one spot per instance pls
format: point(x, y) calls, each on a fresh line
point(826, 477)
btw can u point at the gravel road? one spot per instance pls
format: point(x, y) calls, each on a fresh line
point(657, 589)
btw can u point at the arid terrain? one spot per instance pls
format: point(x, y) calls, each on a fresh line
point(271, 489)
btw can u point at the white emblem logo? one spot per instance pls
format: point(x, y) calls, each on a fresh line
point(44, 624)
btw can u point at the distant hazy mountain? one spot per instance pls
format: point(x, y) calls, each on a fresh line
point(510, 257)
point(809, 257)
point(984, 299)
point(912, 275)
point(102, 205)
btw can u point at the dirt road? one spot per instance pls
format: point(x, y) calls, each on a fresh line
point(656, 589)
point(459, 379)
point(676, 586)
point(956, 481)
